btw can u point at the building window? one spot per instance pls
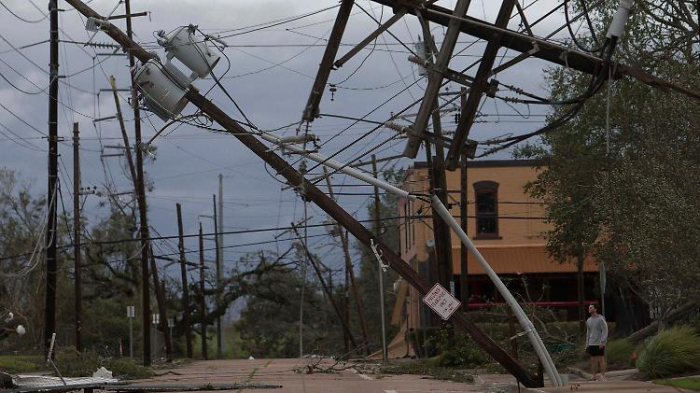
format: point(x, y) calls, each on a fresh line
point(486, 193)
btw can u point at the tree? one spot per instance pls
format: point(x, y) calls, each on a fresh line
point(269, 324)
point(629, 193)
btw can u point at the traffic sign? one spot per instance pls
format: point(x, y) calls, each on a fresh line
point(441, 301)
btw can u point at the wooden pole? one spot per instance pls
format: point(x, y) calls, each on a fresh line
point(324, 286)
point(185, 287)
point(312, 193)
point(219, 339)
point(349, 274)
point(464, 223)
point(202, 298)
point(76, 239)
point(141, 198)
point(52, 200)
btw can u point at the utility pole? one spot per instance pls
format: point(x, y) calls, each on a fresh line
point(312, 193)
point(377, 233)
point(217, 232)
point(349, 273)
point(160, 298)
point(202, 299)
point(325, 287)
point(141, 198)
point(220, 246)
point(185, 287)
point(51, 263)
point(463, 222)
point(76, 238)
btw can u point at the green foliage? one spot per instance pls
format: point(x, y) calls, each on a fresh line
point(671, 352)
point(458, 350)
point(75, 364)
point(619, 352)
point(628, 194)
point(269, 327)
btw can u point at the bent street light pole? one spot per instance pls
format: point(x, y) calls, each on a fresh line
point(324, 202)
point(517, 310)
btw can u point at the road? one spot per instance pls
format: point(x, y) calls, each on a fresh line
point(281, 372)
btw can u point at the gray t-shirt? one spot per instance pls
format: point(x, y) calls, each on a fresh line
point(596, 330)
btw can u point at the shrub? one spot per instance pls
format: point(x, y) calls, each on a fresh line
point(671, 352)
point(76, 364)
point(619, 352)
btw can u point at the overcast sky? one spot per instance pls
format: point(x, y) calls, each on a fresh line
point(270, 75)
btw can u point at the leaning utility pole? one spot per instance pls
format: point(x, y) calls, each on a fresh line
point(202, 299)
point(312, 193)
point(378, 234)
point(76, 238)
point(51, 263)
point(326, 290)
point(185, 288)
point(349, 273)
point(141, 198)
point(217, 232)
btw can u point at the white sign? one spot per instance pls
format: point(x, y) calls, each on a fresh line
point(130, 311)
point(441, 301)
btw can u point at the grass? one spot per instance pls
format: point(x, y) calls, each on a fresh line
point(18, 364)
point(672, 352)
point(421, 367)
point(692, 383)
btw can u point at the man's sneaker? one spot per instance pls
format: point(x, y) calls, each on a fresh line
point(602, 378)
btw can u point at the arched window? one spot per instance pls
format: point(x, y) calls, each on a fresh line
point(486, 196)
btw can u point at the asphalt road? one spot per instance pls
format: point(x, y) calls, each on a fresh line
point(349, 380)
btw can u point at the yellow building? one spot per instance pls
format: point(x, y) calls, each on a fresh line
point(505, 224)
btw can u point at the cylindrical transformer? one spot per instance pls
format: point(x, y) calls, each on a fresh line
point(193, 53)
point(164, 95)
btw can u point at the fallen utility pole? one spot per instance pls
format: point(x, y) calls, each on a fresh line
point(480, 85)
point(185, 287)
point(141, 198)
point(324, 70)
point(324, 286)
point(311, 192)
point(435, 80)
point(51, 233)
point(76, 239)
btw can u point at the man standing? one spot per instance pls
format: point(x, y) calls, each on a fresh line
point(596, 337)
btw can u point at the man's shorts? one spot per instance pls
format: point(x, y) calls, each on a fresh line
point(595, 350)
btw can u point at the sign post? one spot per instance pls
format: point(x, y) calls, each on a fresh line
point(130, 313)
